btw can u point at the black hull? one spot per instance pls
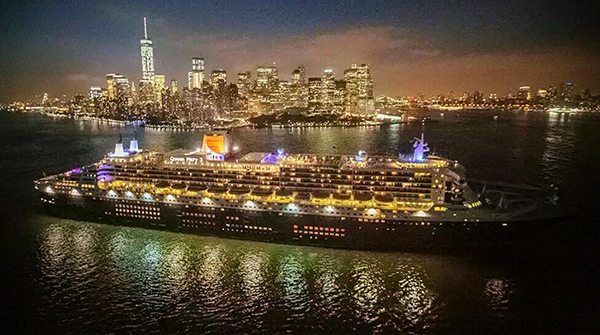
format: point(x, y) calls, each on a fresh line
point(313, 230)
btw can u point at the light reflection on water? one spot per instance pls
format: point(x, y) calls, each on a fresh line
point(228, 283)
point(498, 291)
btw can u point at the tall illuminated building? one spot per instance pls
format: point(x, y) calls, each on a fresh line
point(118, 86)
point(95, 92)
point(110, 85)
point(298, 88)
point(218, 78)
point(359, 90)
point(243, 83)
point(174, 86)
point(122, 89)
point(267, 78)
point(147, 57)
point(196, 76)
point(159, 85)
point(524, 93)
point(314, 94)
point(327, 89)
point(298, 77)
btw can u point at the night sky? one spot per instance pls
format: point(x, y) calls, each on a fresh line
point(429, 47)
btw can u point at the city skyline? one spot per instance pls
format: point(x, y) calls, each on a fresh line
point(467, 47)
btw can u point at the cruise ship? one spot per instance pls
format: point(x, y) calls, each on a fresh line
point(412, 200)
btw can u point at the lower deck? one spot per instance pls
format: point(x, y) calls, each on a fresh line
point(289, 227)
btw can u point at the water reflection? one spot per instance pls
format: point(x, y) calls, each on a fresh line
point(252, 266)
point(560, 147)
point(211, 267)
point(367, 288)
point(232, 284)
point(291, 274)
point(497, 293)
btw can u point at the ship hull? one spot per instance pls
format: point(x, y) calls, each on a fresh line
point(288, 228)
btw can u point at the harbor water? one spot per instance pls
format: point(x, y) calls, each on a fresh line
point(64, 276)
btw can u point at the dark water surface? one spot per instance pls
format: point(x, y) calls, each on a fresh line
point(62, 276)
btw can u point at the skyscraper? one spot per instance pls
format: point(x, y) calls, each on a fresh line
point(218, 78)
point(196, 76)
point(159, 85)
point(174, 86)
point(298, 88)
point(147, 57)
point(524, 93)
point(327, 89)
point(95, 92)
point(359, 89)
point(299, 76)
point(243, 83)
point(267, 78)
point(110, 85)
point(314, 94)
point(118, 86)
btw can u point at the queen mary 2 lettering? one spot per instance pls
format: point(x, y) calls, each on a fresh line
point(413, 200)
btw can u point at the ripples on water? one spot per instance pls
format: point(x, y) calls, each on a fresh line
point(116, 278)
point(81, 277)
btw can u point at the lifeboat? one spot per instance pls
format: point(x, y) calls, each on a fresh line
point(197, 188)
point(342, 196)
point(320, 195)
point(284, 193)
point(239, 191)
point(162, 184)
point(179, 187)
point(384, 198)
point(303, 196)
point(261, 193)
point(217, 190)
point(363, 197)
